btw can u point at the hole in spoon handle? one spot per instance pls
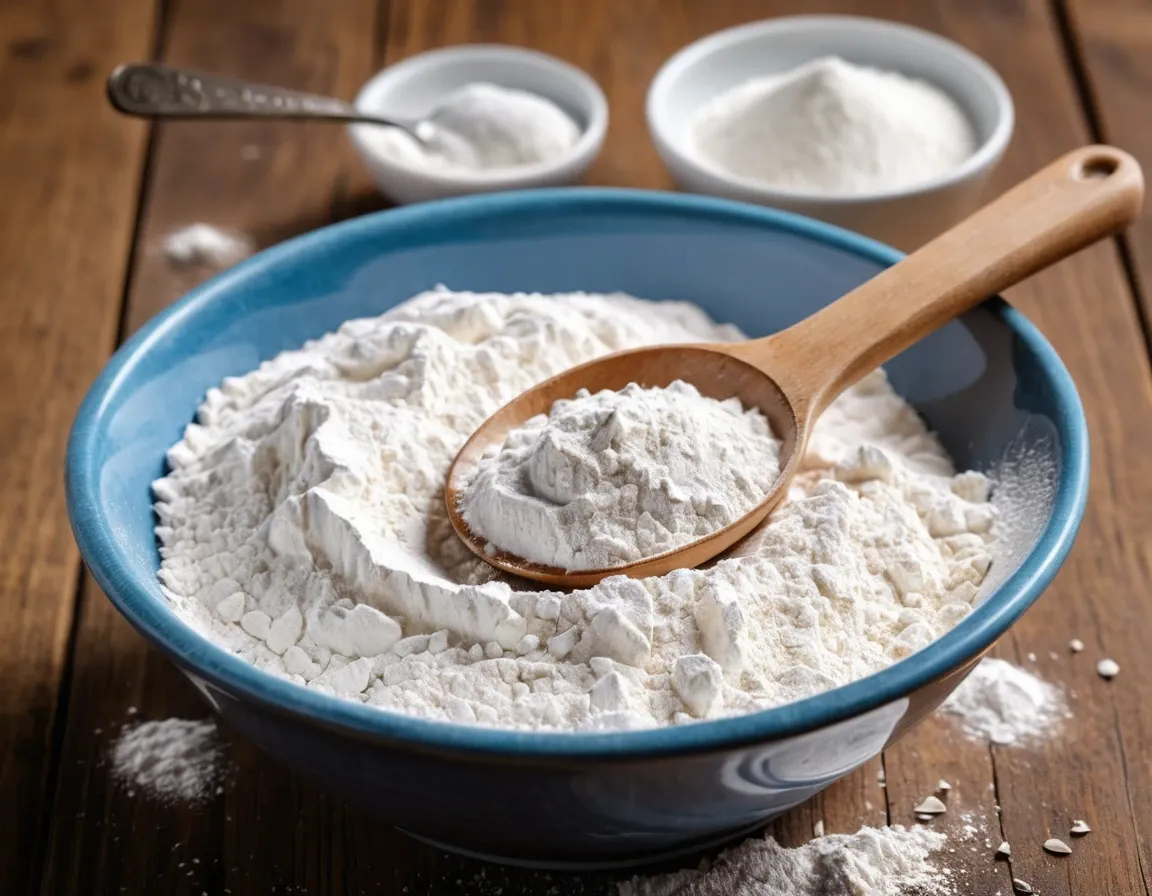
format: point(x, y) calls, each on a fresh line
point(1096, 166)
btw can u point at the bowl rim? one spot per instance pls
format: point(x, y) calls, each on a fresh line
point(984, 157)
point(581, 152)
point(204, 660)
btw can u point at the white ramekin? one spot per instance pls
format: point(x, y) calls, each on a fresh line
point(413, 87)
point(904, 218)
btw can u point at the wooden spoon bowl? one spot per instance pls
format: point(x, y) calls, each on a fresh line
point(714, 373)
point(792, 376)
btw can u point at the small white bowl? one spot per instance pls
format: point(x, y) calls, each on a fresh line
point(905, 218)
point(413, 87)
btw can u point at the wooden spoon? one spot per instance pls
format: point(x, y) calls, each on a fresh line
point(792, 376)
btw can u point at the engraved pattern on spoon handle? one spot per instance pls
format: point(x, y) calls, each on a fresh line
point(159, 91)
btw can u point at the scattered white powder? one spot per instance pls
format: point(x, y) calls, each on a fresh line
point(831, 127)
point(887, 861)
point(172, 759)
point(1004, 704)
point(482, 126)
point(207, 245)
point(606, 479)
point(303, 528)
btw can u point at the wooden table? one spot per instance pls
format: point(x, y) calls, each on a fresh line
point(85, 199)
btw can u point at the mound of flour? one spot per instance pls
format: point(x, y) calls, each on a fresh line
point(606, 479)
point(1004, 704)
point(887, 861)
point(834, 128)
point(303, 528)
point(171, 759)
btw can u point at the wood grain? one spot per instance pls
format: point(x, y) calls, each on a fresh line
point(270, 181)
point(69, 170)
point(914, 767)
point(1112, 41)
point(1112, 44)
point(271, 832)
point(1085, 306)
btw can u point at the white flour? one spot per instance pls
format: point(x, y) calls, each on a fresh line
point(173, 759)
point(1004, 704)
point(888, 861)
point(203, 244)
point(831, 127)
point(303, 528)
point(605, 479)
point(482, 126)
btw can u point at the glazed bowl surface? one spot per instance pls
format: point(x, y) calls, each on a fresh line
point(989, 385)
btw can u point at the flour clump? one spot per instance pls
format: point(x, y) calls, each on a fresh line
point(203, 244)
point(834, 128)
point(606, 479)
point(302, 527)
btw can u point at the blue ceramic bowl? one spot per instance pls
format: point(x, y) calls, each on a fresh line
point(990, 385)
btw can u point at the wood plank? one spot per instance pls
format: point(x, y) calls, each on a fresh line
point(914, 767)
point(65, 233)
point(1113, 44)
point(267, 180)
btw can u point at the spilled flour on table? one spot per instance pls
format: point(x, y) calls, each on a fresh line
point(171, 760)
point(1004, 704)
point(204, 244)
point(887, 861)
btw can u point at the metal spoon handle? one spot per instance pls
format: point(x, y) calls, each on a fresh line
point(158, 91)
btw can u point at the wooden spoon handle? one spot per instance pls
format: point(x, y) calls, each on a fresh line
point(1080, 198)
